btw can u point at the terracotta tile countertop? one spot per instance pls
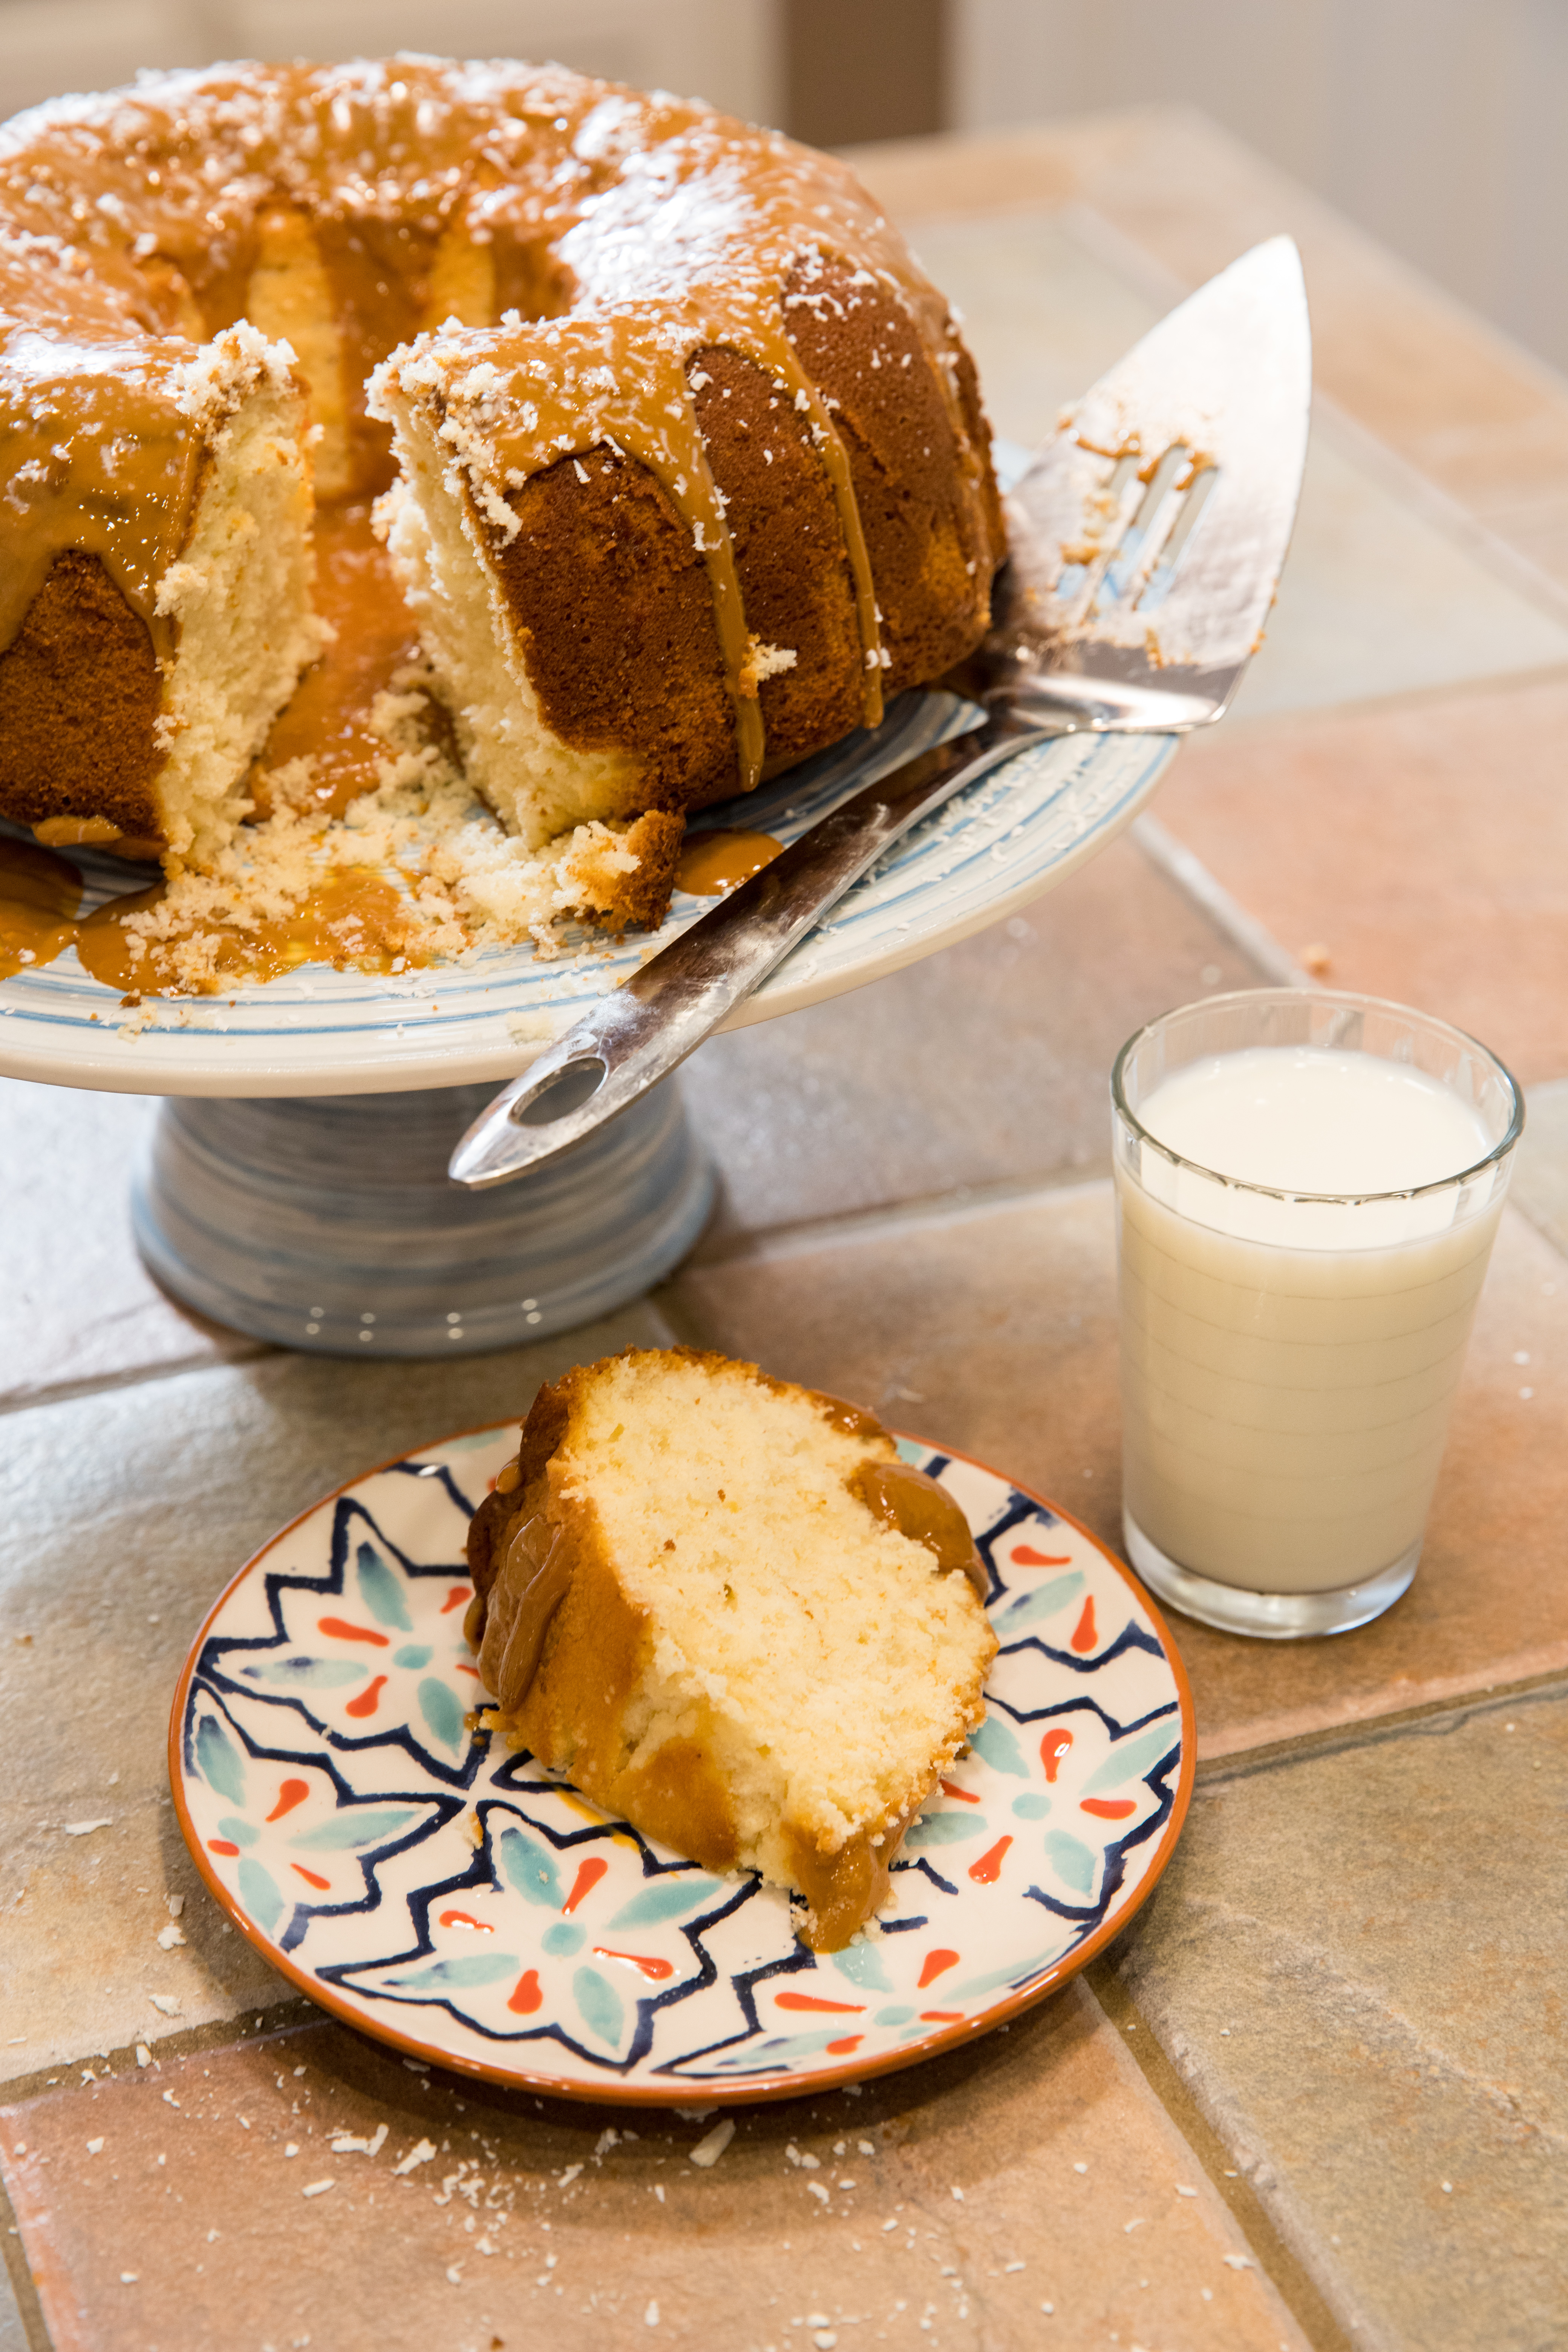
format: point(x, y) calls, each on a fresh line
point(1319, 2093)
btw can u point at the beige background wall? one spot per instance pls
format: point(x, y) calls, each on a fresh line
point(1440, 125)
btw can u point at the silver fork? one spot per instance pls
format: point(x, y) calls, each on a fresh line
point(1145, 543)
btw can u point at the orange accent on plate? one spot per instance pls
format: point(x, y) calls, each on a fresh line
point(937, 1963)
point(954, 1789)
point(842, 2049)
point(340, 1630)
point(458, 1594)
point(1084, 1636)
point(988, 1869)
point(366, 1702)
point(810, 2000)
point(526, 1996)
point(310, 1877)
point(1026, 1556)
point(1108, 1808)
point(463, 1669)
point(657, 1970)
point(222, 1845)
point(466, 1919)
point(588, 1876)
point(1053, 1748)
point(940, 2016)
point(293, 1793)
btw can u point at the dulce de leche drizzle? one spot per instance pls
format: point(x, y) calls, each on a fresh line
point(534, 1578)
point(715, 860)
point(919, 1507)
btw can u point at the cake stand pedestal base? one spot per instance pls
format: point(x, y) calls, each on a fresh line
point(328, 1223)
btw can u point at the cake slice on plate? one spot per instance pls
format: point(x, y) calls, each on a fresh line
point(723, 1608)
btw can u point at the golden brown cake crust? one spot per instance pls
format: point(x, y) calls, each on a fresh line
point(69, 752)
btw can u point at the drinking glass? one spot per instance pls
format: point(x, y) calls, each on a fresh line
point(1288, 1360)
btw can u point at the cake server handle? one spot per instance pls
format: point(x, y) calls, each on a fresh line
point(664, 1009)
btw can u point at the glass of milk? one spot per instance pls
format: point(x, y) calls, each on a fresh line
point(1308, 1185)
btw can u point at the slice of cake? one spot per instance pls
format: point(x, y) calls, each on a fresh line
point(723, 1608)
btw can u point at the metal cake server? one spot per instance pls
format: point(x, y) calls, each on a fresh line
point(1145, 543)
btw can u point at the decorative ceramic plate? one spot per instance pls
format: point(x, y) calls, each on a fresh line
point(443, 1892)
point(316, 1031)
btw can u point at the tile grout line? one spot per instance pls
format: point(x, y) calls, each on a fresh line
point(930, 1210)
point(1443, 1715)
point(1286, 2273)
point(1192, 876)
point(135, 1376)
point(19, 2271)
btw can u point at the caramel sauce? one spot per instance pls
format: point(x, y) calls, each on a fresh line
point(39, 895)
point(328, 716)
point(852, 1420)
point(919, 1507)
point(713, 862)
point(93, 833)
point(351, 917)
point(535, 1577)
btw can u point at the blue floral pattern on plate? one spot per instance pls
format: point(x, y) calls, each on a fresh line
point(445, 1894)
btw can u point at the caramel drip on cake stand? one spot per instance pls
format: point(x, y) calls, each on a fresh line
point(351, 916)
point(39, 895)
point(328, 717)
point(716, 860)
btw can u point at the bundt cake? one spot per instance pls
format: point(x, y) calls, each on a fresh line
point(725, 1608)
point(682, 460)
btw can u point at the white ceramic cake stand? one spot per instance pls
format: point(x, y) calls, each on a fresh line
point(296, 1184)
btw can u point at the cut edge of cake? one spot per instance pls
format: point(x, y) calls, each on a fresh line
point(539, 786)
point(239, 593)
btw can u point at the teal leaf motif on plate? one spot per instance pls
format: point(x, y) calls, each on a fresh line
point(1032, 1806)
point(945, 1829)
point(1134, 1758)
point(218, 1760)
point(863, 1965)
point(530, 1867)
point(562, 1940)
point(599, 2004)
point(382, 1589)
point(309, 1673)
point(413, 1653)
point(352, 1828)
point(995, 1742)
point(443, 1711)
point(476, 1968)
point(1073, 1862)
point(258, 1893)
point(892, 2016)
point(668, 1900)
point(912, 1450)
point(231, 1826)
point(1018, 1972)
point(1031, 1607)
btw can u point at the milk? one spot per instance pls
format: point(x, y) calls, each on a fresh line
point(1288, 1364)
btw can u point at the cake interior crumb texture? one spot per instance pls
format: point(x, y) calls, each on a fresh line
point(240, 590)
